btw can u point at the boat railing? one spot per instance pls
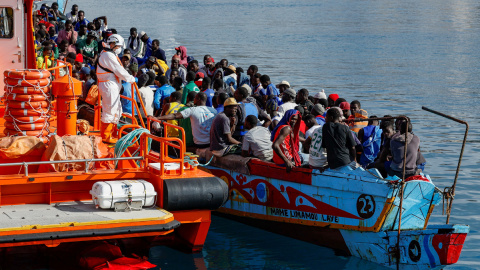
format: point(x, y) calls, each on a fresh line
point(86, 161)
point(449, 192)
point(165, 143)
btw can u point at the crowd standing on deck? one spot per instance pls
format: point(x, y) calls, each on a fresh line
point(221, 107)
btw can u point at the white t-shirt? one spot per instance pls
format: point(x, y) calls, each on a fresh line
point(147, 94)
point(201, 118)
point(318, 155)
point(282, 109)
point(310, 131)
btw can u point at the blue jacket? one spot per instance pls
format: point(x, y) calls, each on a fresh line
point(161, 94)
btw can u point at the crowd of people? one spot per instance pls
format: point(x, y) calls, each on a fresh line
point(223, 108)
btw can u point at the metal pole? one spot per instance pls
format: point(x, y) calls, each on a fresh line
point(452, 189)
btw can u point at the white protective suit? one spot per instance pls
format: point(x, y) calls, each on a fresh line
point(110, 85)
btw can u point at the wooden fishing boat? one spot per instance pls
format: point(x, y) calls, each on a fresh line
point(46, 200)
point(357, 211)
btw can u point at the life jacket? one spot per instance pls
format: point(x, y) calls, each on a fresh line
point(285, 147)
point(356, 126)
point(174, 107)
point(372, 139)
point(245, 109)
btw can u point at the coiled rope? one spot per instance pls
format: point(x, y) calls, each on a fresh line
point(128, 140)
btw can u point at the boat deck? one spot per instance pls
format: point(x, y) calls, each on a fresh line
point(38, 215)
point(64, 222)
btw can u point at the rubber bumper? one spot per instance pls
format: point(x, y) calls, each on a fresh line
point(194, 193)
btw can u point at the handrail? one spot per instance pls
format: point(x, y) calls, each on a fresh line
point(163, 154)
point(165, 132)
point(26, 164)
point(58, 67)
point(451, 191)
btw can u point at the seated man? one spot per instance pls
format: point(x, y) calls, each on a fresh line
point(162, 93)
point(257, 140)
point(318, 110)
point(318, 155)
point(312, 125)
point(223, 126)
point(190, 87)
point(286, 139)
point(337, 140)
point(288, 101)
point(397, 147)
point(201, 118)
point(371, 139)
point(246, 108)
point(221, 98)
point(172, 108)
point(357, 113)
point(147, 91)
point(152, 64)
point(302, 100)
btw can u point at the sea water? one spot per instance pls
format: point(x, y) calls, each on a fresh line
point(392, 56)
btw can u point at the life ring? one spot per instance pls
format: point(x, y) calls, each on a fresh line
point(36, 133)
point(26, 127)
point(28, 74)
point(18, 97)
point(26, 90)
point(26, 119)
point(22, 82)
point(28, 105)
point(26, 112)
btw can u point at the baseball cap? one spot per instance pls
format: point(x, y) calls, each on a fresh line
point(142, 33)
point(344, 105)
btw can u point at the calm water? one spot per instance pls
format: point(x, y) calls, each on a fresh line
point(393, 56)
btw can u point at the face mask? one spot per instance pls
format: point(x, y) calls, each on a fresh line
point(118, 51)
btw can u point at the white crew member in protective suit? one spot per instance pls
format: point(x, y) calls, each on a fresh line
point(110, 73)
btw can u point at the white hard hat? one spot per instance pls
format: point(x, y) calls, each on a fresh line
point(117, 39)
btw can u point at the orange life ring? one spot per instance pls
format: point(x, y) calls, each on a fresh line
point(27, 105)
point(29, 74)
point(27, 127)
point(18, 97)
point(26, 112)
point(36, 133)
point(26, 119)
point(22, 82)
point(25, 90)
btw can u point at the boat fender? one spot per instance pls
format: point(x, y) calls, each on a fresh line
point(194, 193)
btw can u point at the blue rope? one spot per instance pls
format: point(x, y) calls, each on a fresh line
point(128, 140)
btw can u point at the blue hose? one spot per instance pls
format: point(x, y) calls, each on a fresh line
point(128, 140)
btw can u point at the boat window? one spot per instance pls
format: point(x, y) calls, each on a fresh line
point(6, 22)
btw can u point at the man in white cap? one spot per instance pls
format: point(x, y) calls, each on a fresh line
point(318, 96)
point(147, 48)
point(288, 99)
point(282, 86)
point(110, 74)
